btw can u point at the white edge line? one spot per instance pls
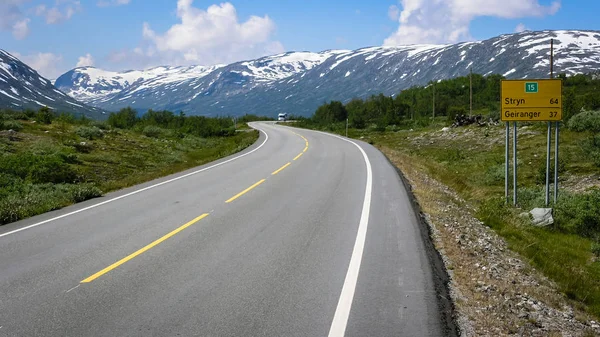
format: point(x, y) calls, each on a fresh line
point(137, 191)
point(342, 311)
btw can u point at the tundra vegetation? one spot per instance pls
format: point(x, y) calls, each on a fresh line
point(48, 161)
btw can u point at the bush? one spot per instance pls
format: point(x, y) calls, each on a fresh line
point(102, 125)
point(152, 131)
point(495, 174)
point(38, 169)
point(124, 119)
point(12, 125)
point(585, 121)
point(592, 148)
point(596, 249)
point(36, 199)
point(540, 177)
point(44, 115)
point(89, 132)
point(580, 213)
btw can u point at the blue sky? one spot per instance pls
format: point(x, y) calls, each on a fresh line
point(54, 36)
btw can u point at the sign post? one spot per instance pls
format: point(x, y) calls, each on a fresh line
point(531, 101)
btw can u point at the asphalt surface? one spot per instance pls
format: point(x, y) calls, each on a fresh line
point(307, 251)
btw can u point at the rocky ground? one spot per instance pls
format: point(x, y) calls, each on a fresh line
point(496, 293)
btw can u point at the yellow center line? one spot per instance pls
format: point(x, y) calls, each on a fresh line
point(245, 191)
point(153, 244)
point(298, 156)
point(306, 148)
point(281, 168)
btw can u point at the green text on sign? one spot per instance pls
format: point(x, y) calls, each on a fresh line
point(531, 87)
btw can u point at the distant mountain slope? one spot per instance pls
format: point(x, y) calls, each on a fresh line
point(22, 87)
point(298, 82)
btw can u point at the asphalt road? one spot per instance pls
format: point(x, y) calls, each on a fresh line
point(328, 245)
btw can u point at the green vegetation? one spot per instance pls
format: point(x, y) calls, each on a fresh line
point(413, 107)
point(48, 161)
point(470, 160)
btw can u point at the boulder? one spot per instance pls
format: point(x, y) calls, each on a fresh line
point(542, 217)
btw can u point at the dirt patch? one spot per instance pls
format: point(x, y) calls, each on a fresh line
point(495, 292)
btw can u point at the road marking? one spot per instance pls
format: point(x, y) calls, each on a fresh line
point(138, 191)
point(306, 148)
point(75, 287)
point(342, 311)
point(245, 191)
point(298, 156)
point(153, 244)
point(281, 169)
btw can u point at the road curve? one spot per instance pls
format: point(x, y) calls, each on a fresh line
point(302, 234)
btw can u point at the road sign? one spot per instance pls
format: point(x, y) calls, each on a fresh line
point(532, 100)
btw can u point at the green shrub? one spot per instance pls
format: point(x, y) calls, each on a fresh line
point(38, 169)
point(592, 148)
point(596, 249)
point(37, 199)
point(124, 119)
point(585, 121)
point(580, 213)
point(89, 132)
point(44, 115)
point(102, 125)
point(495, 174)
point(11, 125)
point(152, 131)
point(540, 177)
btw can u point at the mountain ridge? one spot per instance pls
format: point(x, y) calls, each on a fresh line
point(298, 82)
point(21, 87)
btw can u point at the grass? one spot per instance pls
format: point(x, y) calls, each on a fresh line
point(44, 167)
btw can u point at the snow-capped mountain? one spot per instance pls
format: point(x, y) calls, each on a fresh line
point(22, 87)
point(298, 82)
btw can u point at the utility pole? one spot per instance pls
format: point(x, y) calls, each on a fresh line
point(471, 92)
point(433, 100)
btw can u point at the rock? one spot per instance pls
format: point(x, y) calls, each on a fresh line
point(446, 129)
point(82, 143)
point(542, 217)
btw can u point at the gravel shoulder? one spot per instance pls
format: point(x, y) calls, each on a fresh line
point(494, 290)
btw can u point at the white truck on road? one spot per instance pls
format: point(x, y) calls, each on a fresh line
point(282, 117)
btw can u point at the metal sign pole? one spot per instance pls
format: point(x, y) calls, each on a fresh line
point(556, 163)
point(549, 146)
point(507, 162)
point(515, 163)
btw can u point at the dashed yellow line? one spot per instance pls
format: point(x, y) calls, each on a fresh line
point(153, 244)
point(280, 169)
point(245, 191)
point(298, 156)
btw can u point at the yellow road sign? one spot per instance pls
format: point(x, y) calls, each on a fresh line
point(531, 100)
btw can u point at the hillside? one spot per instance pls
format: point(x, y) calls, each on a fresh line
point(23, 88)
point(298, 82)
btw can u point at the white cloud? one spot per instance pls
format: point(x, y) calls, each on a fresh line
point(394, 13)
point(85, 61)
point(63, 11)
point(520, 28)
point(12, 18)
point(46, 64)
point(447, 21)
point(210, 36)
point(106, 3)
point(21, 29)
